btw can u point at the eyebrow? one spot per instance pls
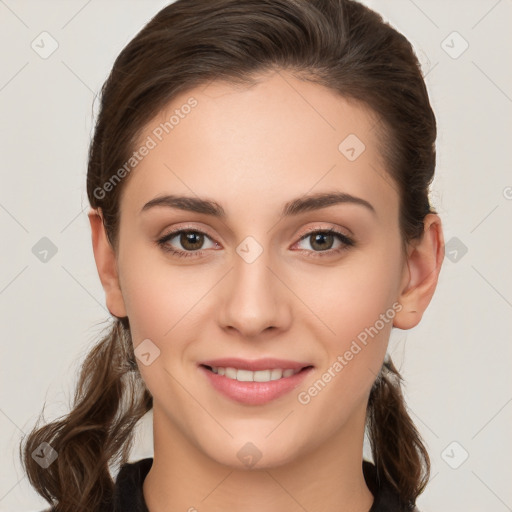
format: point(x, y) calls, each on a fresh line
point(293, 207)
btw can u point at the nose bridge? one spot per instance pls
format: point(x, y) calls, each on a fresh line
point(254, 299)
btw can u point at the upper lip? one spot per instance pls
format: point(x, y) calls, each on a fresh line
point(266, 363)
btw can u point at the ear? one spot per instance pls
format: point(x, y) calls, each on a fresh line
point(424, 259)
point(106, 264)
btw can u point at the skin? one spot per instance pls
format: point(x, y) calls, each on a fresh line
point(252, 149)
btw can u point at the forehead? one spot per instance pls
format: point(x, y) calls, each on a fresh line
point(276, 139)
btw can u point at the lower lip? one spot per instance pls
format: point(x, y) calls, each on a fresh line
point(254, 393)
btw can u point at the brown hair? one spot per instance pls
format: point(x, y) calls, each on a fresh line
point(340, 44)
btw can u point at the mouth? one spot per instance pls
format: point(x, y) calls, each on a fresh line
point(254, 382)
point(243, 375)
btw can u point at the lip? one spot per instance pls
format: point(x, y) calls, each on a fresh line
point(254, 393)
point(266, 363)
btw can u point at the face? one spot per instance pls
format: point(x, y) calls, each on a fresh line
point(266, 280)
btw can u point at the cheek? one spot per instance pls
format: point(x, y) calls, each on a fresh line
point(157, 295)
point(356, 305)
point(353, 295)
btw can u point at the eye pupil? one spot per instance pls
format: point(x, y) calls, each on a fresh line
point(322, 245)
point(191, 238)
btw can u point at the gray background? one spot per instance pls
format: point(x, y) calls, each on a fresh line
point(456, 363)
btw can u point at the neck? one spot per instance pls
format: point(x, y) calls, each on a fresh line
point(328, 478)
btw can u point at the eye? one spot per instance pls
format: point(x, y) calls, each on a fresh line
point(324, 239)
point(191, 240)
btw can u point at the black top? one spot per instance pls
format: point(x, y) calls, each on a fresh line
point(128, 495)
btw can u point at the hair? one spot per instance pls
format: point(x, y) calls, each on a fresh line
point(339, 44)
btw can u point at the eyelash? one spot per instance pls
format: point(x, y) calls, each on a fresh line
point(347, 243)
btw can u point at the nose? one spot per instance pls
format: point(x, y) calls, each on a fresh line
point(254, 298)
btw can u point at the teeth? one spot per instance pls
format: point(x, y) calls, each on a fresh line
point(258, 376)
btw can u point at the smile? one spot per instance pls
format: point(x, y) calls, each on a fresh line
point(256, 386)
point(254, 376)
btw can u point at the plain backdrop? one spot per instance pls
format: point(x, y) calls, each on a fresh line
point(456, 362)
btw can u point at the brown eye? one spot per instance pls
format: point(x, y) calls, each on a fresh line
point(191, 240)
point(322, 241)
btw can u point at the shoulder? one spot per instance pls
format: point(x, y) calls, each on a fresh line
point(385, 498)
point(128, 495)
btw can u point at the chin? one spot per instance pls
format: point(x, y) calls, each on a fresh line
point(255, 455)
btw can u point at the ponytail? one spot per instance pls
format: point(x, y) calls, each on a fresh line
point(398, 452)
point(110, 399)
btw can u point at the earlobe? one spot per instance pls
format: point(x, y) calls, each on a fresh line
point(106, 264)
point(425, 257)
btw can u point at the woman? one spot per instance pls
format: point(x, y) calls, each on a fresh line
point(258, 181)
